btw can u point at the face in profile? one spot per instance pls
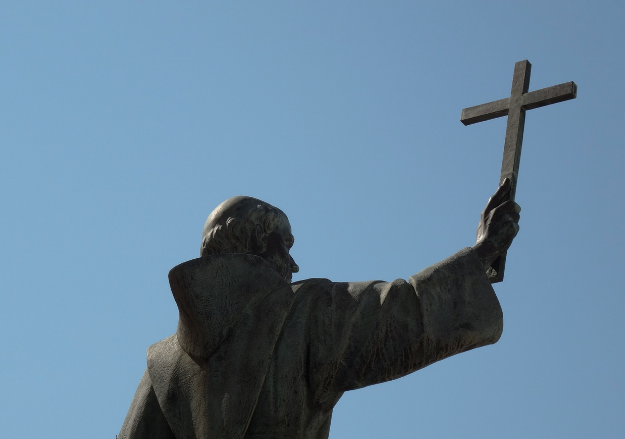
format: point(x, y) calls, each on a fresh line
point(279, 243)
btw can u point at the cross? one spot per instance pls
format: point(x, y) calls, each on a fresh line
point(514, 107)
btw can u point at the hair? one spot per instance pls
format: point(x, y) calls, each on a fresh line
point(241, 233)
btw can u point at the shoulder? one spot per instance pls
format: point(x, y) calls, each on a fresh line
point(311, 286)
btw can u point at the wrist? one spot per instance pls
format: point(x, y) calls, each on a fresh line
point(485, 253)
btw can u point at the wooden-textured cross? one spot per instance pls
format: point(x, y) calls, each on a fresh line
point(515, 106)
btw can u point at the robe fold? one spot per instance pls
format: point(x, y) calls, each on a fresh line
point(257, 358)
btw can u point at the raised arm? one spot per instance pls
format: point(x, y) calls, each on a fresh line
point(373, 332)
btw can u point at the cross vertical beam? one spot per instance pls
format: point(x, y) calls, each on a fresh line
point(514, 107)
point(515, 125)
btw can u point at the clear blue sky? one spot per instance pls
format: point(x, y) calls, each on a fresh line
point(123, 124)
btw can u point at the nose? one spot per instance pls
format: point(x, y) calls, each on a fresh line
point(294, 266)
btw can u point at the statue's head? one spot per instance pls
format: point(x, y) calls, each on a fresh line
point(251, 226)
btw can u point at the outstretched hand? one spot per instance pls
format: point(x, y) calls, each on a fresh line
point(498, 225)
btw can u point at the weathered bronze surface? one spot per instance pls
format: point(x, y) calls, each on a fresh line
point(256, 356)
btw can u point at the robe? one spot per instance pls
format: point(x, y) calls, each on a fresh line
point(255, 357)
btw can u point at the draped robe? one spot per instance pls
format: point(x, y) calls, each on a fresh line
point(257, 358)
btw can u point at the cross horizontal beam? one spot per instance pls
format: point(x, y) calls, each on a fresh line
point(529, 101)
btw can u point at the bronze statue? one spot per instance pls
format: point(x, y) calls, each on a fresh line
point(256, 356)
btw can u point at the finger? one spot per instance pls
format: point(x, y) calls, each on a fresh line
point(506, 236)
point(512, 223)
point(502, 217)
point(513, 219)
point(512, 230)
point(501, 195)
point(508, 208)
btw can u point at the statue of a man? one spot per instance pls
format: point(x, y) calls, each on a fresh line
point(256, 356)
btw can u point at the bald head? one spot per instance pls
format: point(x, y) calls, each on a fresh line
point(250, 226)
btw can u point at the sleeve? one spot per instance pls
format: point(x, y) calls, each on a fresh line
point(370, 332)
